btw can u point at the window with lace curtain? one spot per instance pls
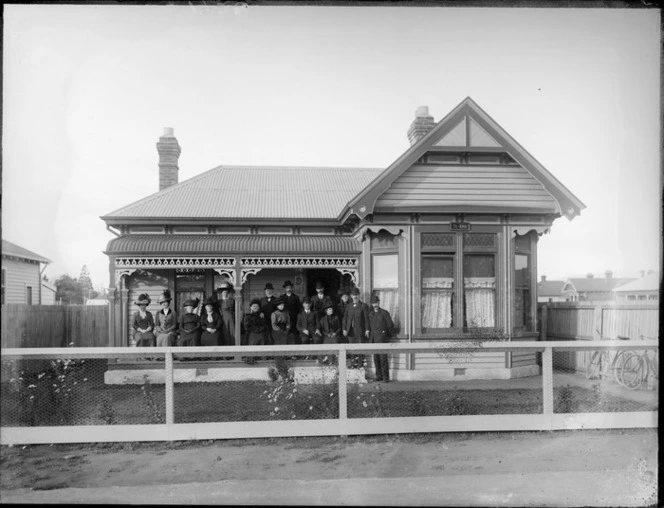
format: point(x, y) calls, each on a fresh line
point(458, 280)
point(385, 272)
point(385, 283)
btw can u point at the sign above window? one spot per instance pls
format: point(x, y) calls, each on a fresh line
point(460, 226)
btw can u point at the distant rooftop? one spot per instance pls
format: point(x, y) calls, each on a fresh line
point(13, 250)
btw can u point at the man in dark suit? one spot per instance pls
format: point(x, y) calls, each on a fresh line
point(344, 300)
point(320, 300)
point(307, 323)
point(267, 308)
point(293, 307)
point(381, 328)
point(356, 325)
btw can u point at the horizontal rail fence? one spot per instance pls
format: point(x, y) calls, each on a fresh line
point(595, 321)
point(45, 326)
point(70, 395)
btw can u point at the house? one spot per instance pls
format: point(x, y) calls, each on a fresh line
point(590, 288)
point(21, 274)
point(48, 292)
point(446, 235)
point(645, 288)
point(550, 290)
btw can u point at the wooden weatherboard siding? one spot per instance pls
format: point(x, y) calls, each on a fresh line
point(482, 186)
point(18, 276)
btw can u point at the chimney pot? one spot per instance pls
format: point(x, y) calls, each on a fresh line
point(543, 278)
point(168, 132)
point(422, 111)
point(590, 276)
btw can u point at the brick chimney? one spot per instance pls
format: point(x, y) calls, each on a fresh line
point(169, 153)
point(421, 126)
point(609, 279)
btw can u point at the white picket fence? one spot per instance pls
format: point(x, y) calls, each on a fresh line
point(343, 425)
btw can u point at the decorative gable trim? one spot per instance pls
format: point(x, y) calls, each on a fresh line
point(481, 132)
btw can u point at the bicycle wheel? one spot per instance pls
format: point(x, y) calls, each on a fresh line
point(633, 372)
point(618, 362)
point(592, 372)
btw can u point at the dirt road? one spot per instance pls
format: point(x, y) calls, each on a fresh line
point(589, 468)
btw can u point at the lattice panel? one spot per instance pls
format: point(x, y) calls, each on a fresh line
point(479, 240)
point(180, 262)
point(304, 262)
point(437, 240)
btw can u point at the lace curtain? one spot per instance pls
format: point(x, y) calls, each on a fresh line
point(389, 300)
point(437, 302)
point(480, 296)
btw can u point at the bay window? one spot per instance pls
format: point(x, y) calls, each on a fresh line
point(457, 281)
point(523, 279)
point(385, 272)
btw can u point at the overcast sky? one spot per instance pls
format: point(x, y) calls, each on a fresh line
point(89, 89)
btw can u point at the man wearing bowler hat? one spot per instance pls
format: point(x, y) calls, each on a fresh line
point(267, 308)
point(293, 306)
point(356, 324)
point(320, 300)
point(381, 328)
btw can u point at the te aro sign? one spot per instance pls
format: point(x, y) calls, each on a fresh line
point(460, 226)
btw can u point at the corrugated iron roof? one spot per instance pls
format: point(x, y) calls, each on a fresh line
point(11, 249)
point(255, 192)
point(648, 283)
point(231, 244)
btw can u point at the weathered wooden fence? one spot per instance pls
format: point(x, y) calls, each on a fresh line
point(592, 321)
point(37, 326)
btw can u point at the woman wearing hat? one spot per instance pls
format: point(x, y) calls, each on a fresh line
point(267, 308)
point(330, 328)
point(227, 309)
point(190, 328)
point(143, 323)
point(166, 322)
point(211, 324)
point(280, 321)
point(293, 305)
point(254, 326)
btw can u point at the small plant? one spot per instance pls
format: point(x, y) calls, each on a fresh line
point(457, 405)
point(155, 413)
point(106, 412)
point(565, 400)
point(417, 405)
point(292, 401)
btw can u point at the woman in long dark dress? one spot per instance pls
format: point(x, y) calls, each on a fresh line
point(190, 327)
point(227, 309)
point(143, 323)
point(211, 324)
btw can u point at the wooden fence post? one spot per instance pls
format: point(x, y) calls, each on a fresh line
point(343, 386)
point(168, 365)
point(547, 380)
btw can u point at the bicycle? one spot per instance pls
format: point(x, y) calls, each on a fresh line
point(637, 368)
point(604, 363)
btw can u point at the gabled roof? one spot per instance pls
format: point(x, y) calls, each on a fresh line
point(648, 283)
point(240, 192)
point(447, 133)
point(13, 250)
point(550, 287)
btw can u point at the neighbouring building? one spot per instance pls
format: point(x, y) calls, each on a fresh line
point(446, 235)
point(21, 274)
point(550, 290)
point(591, 288)
point(645, 288)
point(48, 292)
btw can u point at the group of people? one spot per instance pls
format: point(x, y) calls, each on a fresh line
point(215, 326)
point(284, 319)
point(272, 320)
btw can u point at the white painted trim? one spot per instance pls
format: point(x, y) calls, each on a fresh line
point(353, 426)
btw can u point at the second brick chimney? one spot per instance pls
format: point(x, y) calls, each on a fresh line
point(421, 126)
point(169, 153)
